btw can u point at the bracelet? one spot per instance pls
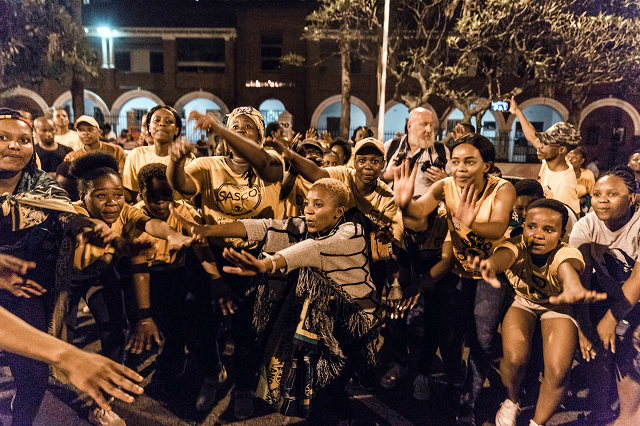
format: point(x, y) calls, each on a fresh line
point(456, 223)
point(144, 313)
point(273, 263)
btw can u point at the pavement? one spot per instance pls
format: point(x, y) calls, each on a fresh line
point(380, 407)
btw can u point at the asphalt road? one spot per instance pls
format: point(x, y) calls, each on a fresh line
point(162, 406)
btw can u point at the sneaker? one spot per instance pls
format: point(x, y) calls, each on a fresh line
point(392, 376)
point(506, 415)
point(101, 417)
point(243, 404)
point(421, 390)
point(532, 423)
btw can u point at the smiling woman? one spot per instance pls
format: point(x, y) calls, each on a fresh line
point(36, 224)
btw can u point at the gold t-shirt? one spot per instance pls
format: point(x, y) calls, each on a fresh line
point(295, 200)
point(138, 158)
point(114, 150)
point(377, 206)
point(228, 196)
point(537, 284)
point(467, 243)
point(125, 226)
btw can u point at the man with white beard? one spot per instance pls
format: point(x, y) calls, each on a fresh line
point(424, 239)
point(418, 146)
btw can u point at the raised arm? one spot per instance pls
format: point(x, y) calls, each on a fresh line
point(179, 179)
point(572, 289)
point(527, 128)
point(500, 215)
point(91, 373)
point(266, 166)
point(404, 182)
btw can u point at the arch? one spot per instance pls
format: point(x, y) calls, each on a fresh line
point(21, 91)
point(132, 94)
point(615, 102)
point(390, 104)
point(338, 98)
point(499, 117)
point(88, 94)
point(185, 99)
point(561, 109)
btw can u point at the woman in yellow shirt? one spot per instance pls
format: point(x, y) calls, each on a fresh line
point(478, 207)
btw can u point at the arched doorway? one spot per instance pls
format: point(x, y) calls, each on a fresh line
point(271, 110)
point(20, 98)
point(127, 111)
point(202, 105)
point(609, 128)
point(94, 106)
point(541, 116)
point(327, 115)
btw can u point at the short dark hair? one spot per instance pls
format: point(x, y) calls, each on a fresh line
point(172, 111)
point(355, 132)
point(626, 174)
point(346, 147)
point(274, 126)
point(470, 127)
point(529, 188)
point(92, 166)
point(149, 172)
point(580, 151)
point(482, 144)
point(555, 205)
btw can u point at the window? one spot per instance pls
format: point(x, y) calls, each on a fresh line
point(156, 64)
point(123, 61)
point(201, 55)
point(593, 135)
point(333, 125)
point(271, 52)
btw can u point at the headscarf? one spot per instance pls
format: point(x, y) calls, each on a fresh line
point(253, 114)
point(35, 192)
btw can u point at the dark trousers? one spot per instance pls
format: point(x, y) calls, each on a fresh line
point(30, 376)
point(183, 311)
point(104, 296)
point(480, 309)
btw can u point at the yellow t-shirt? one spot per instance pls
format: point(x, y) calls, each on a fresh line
point(228, 197)
point(467, 243)
point(114, 150)
point(586, 182)
point(561, 186)
point(125, 226)
point(160, 250)
point(537, 284)
point(377, 206)
point(70, 139)
point(138, 158)
point(294, 203)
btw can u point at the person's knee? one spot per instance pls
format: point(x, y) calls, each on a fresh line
point(556, 374)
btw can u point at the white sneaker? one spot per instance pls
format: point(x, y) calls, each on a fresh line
point(507, 413)
point(421, 390)
point(101, 417)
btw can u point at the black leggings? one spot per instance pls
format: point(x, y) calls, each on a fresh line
point(30, 376)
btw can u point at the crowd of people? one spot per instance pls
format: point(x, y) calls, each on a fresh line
point(285, 261)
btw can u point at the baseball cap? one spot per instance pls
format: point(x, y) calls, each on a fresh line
point(561, 133)
point(86, 119)
point(311, 142)
point(379, 146)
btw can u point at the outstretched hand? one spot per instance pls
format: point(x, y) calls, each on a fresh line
point(10, 264)
point(94, 374)
point(207, 122)
point(577, 295)
point(486, 269)
point(146, 332)
point(197, 231)
point(404, 181)
point(179, 150)
point(246, 264)
point(466, 212)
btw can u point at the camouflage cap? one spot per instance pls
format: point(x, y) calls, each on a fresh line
point(561, 133)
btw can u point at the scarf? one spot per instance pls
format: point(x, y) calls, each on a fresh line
point(253, 114)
